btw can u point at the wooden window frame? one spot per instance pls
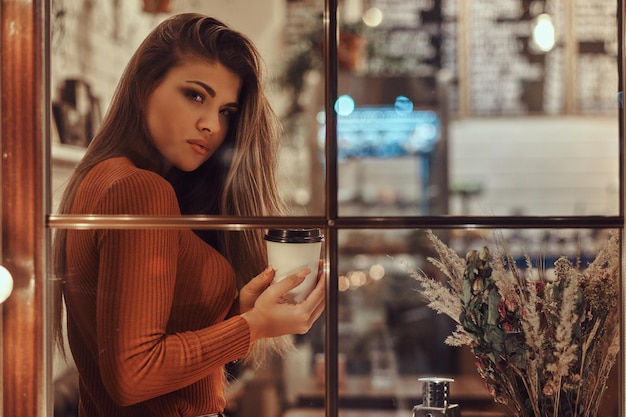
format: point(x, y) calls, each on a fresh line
point(27, 223)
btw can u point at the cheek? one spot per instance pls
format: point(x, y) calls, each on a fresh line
point(154, 116)
point(230, 135)
point(156, 129)
point(161, 119)
point(163, 102)
point(220, 139)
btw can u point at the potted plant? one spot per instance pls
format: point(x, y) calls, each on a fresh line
point(544, 343)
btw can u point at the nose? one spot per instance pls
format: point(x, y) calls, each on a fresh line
point(209, 123)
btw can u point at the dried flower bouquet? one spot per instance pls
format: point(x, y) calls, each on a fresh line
point(544, 346)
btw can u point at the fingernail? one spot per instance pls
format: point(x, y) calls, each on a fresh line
point(304, 273)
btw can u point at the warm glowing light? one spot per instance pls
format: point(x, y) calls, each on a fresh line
point(377, 272)
point(543, 33)
point(302, 196)
point(6, 284)
point(344, 283)
point(358, 278)
point(373, 17)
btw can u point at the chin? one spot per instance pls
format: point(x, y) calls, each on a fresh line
point(190, 169)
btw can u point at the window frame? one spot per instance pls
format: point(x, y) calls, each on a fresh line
point(332, 223)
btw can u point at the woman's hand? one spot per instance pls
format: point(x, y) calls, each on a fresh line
point(273, 316)
point(251, 291)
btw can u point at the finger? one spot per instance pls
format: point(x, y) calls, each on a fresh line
point(289, 282)
point(320, 286)
point(311, 316)
point(316, 297)
point(317, 312)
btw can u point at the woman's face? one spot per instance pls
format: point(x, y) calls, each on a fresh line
point(188, 113)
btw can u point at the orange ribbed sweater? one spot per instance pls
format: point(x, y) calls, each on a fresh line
point(147, 309)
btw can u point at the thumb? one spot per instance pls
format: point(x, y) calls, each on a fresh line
point(261, 281)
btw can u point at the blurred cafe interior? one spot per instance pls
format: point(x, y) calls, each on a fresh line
point(474, 119)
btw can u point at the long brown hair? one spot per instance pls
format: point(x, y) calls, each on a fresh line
point(239, 180)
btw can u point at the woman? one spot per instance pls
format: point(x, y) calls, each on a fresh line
point(154, 315)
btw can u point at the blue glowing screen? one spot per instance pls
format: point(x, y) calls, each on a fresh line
point(382, 131)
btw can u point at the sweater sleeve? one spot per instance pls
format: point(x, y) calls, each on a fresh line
point(138, 359)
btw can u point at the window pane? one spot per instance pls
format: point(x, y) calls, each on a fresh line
point(84, 78)
point(389, 337)
point(438, 117)
point(300, 88)
point(167, 280)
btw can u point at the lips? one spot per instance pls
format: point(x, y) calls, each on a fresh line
point(200, 146)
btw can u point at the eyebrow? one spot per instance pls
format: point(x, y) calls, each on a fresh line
point(210, 91)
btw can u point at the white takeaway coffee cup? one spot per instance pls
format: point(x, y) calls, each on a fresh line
point(291, 250)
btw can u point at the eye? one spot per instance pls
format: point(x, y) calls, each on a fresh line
point(194, 95)
point(228, 112)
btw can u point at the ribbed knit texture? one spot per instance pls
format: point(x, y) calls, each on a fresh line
point(147, 308)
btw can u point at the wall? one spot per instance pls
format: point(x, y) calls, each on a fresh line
point(94, 40)
point(537, 165)
point(548, 166)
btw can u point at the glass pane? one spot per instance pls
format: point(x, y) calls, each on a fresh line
point(437, 116)
point(182, 286)
point(88, 57)
point(389, 337)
